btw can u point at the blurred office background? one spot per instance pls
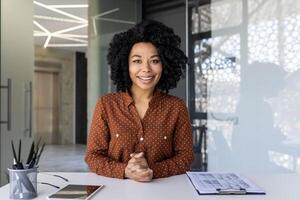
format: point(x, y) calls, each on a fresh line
point(241, 87)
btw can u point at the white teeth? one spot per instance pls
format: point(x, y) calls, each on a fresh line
point(145, 78)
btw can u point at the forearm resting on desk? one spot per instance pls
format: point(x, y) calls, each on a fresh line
point(105, 166)
point(179, 164)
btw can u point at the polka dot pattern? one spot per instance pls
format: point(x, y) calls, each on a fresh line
point(164, 135)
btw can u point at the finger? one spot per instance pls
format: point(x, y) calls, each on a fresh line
point(136, 169)
point(132, 170)
point(143, 172)
point(136, 154)
point(137, 160)
point(144, 176)
point(134, 166)
point(139, 155)
point(135, 174)
point(139, 168)
point(133, 161)
point(140, 163)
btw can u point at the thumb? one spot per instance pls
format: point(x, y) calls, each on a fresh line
point(139, 155)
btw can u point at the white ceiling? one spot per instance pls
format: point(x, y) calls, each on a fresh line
point(61, 24)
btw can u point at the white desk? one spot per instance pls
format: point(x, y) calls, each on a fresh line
point(277, 187)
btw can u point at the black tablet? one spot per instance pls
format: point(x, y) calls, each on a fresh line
point(73, 191)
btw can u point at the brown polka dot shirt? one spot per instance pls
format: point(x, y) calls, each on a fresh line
point(164, 135)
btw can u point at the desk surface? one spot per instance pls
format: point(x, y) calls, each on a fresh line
point(277, 187)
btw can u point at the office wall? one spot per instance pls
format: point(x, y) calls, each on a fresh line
point(17, 65)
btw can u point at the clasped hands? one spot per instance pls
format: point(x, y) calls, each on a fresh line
point(138, 169)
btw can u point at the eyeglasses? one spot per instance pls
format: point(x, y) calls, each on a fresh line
point(44, 183)
point(65, 179)
point(59, 176)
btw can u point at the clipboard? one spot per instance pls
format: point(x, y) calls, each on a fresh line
point(220, 183)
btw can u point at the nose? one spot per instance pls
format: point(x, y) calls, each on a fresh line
point(146, 67)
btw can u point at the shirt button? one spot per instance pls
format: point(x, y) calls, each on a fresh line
point(141, 139)
point(165, 137)
point(117, 135)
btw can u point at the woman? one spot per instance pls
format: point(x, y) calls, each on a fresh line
point(141, 132)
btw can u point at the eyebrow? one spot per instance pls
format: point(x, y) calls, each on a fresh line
point(141, 56)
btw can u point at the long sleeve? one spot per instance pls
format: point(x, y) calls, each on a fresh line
point(183, 149)
point(98, 144)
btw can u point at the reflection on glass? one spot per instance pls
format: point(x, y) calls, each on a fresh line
point(217, 15)
point(195, 21)
point(286, 109)
point(263, 42)
point(291, 40)
point(198, 124)
point(217, 74)
point(268, 110)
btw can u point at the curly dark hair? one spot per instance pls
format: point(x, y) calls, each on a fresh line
point(167, 44)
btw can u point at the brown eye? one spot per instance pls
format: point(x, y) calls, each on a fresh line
point(155, 61)
point(137, 61)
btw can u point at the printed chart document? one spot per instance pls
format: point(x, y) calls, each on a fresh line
point(222, 183)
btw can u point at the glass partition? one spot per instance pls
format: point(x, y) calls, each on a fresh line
point(246, 78)
point(106, 18)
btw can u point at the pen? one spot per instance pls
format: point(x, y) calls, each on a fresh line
point(38, 144)
point(19, 155)
point(14, 164)
point(14, 151)
point(32, 162)
point(18, 164)
point(31, 152)
point(39, 155)
point(34, 154)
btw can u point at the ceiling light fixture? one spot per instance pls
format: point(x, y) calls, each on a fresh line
point(43, 34)
point(59, 11)
point(100, 17)
point(70, 6)
point(75, 36)
point(67, 45)
point(107, 12)
point(41, 27)
point(63, 33)
point(70, 29)
point(70, 38)
point(47, 41)
point(117, 20)
point(57, 19)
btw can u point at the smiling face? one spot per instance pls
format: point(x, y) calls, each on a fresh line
point(145, 67)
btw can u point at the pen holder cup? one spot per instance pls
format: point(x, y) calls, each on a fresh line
point(23, 183)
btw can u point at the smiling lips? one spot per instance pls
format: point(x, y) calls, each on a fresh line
point(145, 79)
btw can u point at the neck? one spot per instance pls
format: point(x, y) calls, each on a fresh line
point(141, 95)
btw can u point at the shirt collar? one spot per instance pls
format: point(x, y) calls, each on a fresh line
point(127, 98)
point(157, 96)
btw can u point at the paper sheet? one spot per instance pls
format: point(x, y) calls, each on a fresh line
point(210, 183)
